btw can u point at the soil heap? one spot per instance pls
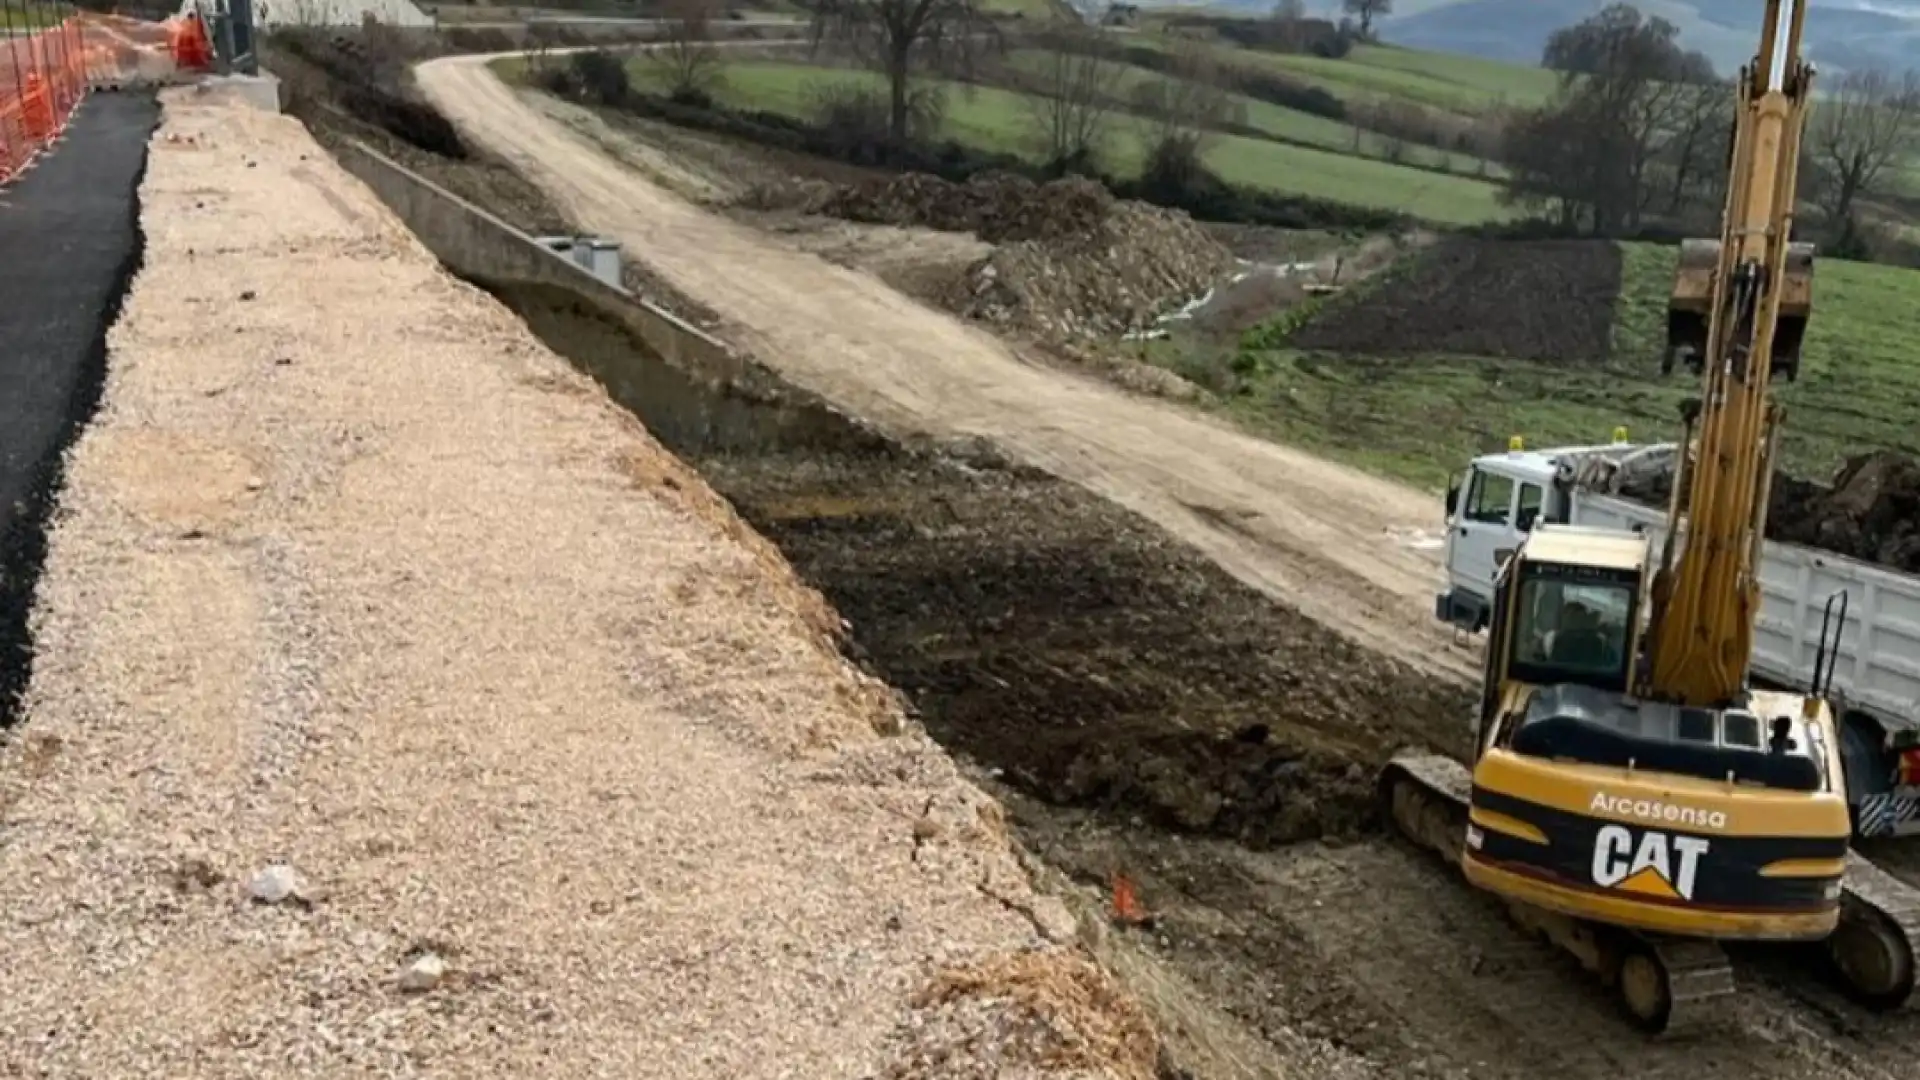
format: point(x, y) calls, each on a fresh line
point(1871, 510)
point(1072, 262)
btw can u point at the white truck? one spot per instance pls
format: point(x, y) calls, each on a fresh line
point(1807, 595)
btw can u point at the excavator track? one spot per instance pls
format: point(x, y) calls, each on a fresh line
point(1672, 987)
point(1873, 949)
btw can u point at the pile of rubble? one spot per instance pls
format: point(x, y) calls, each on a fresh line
point(1871, 511)
point(1072, 263)
point(1140, 262)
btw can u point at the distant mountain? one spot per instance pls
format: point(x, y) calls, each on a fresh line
point(1841, 34)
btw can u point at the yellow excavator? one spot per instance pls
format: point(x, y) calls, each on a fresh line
point(1631, 796)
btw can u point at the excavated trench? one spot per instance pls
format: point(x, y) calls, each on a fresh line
point(1049, 636)
point(1137, 709)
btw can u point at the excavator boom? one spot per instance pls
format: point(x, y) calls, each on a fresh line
point(1704, 604)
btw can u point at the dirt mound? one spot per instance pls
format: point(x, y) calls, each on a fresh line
point(996, 206)
point(1137, 264)
point(1064, 1015)
point(1071, 262)
point(1871, 510)
point(1549, 300)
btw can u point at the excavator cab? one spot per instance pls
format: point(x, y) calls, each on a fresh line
point(1691, 304)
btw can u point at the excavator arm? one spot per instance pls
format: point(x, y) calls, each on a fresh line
point(1753, 291)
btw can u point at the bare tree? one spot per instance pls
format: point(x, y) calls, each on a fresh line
point(1071, 104)
point(1188, 105)
point(1696, 153)
point(541, 37)
point(1179, 115)
point(1366, 11)
point(1605, 150)
point(1869, 123)
point(689, 64)
point(1290, 29)
point(903, 38)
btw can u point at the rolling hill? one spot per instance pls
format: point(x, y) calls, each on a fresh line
point(1841, 34)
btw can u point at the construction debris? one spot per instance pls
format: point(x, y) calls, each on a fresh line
point(1119, 276)
point(1072, 263)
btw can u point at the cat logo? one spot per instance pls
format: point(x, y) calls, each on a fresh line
point(1656, 865)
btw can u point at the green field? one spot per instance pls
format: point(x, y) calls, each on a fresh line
point(1291, 125)
point(1000, 120)
point(1459, 84)
point(1421, 419)
point(16, 18)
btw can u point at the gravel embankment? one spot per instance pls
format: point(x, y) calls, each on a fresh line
point(352, 577)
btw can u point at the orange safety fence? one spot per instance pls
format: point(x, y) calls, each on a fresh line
point(45, 74)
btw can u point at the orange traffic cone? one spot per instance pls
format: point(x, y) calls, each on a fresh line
point(187, 41)
point(1127, 909)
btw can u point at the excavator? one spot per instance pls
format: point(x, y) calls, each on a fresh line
point(1631, 796)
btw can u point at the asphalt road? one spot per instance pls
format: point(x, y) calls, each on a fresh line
point(69, 242)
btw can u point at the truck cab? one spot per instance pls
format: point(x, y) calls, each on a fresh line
point(1491, 508)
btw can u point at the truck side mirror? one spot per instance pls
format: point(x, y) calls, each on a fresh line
point(1453, 497)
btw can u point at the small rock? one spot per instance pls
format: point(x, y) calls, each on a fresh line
point(248, 294)
point(276, 884)
point(425, 973)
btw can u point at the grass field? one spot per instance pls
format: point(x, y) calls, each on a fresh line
point(1456, 83)
point(1291, 125)
point(1421, 420)
point(15, 18)
point(1000, 120)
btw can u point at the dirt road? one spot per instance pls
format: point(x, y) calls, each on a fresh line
point(1348, 549)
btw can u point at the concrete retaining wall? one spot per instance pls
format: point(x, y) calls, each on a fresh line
point(692, 390)
point(475, 244)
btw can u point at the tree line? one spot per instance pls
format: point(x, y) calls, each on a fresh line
point(1635, 141)
point(1638, 138)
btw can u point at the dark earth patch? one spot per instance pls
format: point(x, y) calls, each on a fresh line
point(1085, 655)
point(1548, 300)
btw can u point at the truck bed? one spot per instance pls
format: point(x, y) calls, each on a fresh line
point(1878, 667)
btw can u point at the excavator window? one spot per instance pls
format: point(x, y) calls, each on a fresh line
point(1572, 633)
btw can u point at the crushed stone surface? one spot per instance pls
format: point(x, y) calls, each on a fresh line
point(402, 708)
